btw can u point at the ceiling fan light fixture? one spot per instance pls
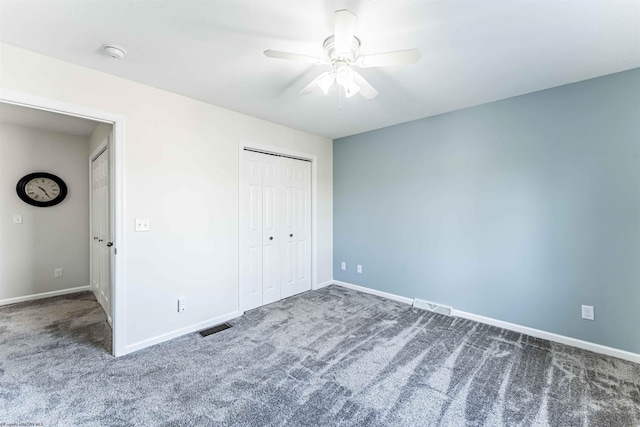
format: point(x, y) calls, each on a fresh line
point(342, 52)
point(344, 76)
point(325, 81)
point(351, 90)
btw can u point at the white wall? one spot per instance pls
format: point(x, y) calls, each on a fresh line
point(48, 238)
point(181, 165)
point(98, 136)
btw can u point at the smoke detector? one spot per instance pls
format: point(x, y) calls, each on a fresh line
point(116, 52)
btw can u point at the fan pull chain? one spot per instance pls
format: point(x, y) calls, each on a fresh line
point(340, 91)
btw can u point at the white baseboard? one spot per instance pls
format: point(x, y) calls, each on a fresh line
point(179, 332)
point(44, 295)
point(322, 285)
point(562, 339)
point(375, 292)
point(537, 333)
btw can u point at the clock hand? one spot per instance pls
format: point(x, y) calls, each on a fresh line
point(45, 191)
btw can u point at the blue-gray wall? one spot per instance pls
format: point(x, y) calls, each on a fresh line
point(520, 210)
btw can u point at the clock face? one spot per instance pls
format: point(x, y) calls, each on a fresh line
point(41, 189)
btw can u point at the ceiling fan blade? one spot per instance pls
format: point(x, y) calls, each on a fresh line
point(324, 81)
point(399, 57)
point(293, 56)
point(344, 28)
point(366, 90)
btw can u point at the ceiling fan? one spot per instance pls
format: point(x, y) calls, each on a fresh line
point(342, 51)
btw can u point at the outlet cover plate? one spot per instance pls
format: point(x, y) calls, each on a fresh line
point(588, 312)
point(142, 225)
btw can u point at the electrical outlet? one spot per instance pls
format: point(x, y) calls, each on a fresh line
point(57, 272)
point(587, 312)
point(359, 268)
point(142, 225)
point(343, 265)
point(182, 305)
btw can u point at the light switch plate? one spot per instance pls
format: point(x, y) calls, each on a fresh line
point(142, 225)
point(182, 305)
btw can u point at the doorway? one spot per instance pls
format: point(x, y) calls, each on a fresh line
point(115, 269)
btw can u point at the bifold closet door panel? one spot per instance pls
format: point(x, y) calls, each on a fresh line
point(297, 227)
point(251, 244)
point(272, 241)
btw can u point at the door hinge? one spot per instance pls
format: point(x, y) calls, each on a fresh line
point(115, 251)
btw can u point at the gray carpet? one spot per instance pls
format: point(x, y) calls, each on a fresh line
point(331, 357)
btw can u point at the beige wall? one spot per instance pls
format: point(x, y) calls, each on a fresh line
point(181, 165)
point(48, 238)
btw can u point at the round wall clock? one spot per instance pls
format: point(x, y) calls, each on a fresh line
point(41, 189)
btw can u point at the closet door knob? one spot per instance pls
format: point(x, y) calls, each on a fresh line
point(290, 235)
point(270, 237)
point(95, 238)
point(109, 244)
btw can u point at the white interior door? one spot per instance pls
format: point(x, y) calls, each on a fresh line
point(271, 225)
point(101, 231)
point(95, 231)
point(275, 228)
point(250, 263)
point(297, 226)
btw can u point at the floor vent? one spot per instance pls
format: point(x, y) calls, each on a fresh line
point(431, 306)
point(217, 328)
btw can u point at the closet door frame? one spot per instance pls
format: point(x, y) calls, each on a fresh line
point(312, 158)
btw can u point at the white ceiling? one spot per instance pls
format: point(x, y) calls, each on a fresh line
point(45, 120)
point(474, 51)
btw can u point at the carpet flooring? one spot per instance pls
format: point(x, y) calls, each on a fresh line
point(332, 357)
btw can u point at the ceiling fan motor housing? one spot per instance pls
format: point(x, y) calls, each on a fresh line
point(334, 56)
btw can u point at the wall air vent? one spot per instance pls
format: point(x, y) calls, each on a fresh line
point(431, 306)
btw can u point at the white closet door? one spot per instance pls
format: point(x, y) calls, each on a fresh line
point(275, 228)
point(297, 264)
point(271, 228)
point(250, 276)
